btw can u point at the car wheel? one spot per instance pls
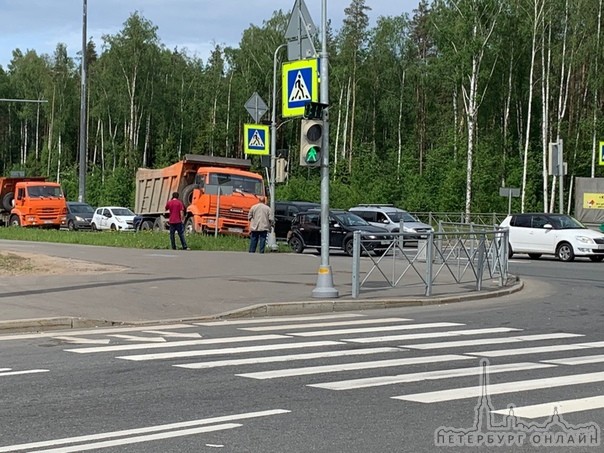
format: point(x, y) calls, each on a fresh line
point(296, 244)
point(597, 258)
point(71, 225)
point(565, 252)
point(15, 221)
point(535, 256)
point(94, 227)
point(348, 247)
point(113, 227)
point(510, 251)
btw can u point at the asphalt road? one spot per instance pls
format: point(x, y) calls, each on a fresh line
point(379, 381)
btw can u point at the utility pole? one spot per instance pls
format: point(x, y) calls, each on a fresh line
point(83, 121)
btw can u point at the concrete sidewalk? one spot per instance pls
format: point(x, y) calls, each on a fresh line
point(165, 285)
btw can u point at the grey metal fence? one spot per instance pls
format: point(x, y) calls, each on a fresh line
point(459, 257)
point(480, 218)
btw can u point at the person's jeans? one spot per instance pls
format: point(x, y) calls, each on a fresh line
point(180, 229)
point(257, 239)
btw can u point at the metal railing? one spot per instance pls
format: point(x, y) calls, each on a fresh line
point(459, 257)
point(480, 218)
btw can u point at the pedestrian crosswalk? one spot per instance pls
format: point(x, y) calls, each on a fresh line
point(389, 355)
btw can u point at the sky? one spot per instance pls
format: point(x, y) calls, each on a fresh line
point(197, 25)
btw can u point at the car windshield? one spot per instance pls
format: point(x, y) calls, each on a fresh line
point(349, 219)
point(404, 216)
point(81, 209)
point(565, 222)
point(122, 211)
point(44, 192)
point(238, 182)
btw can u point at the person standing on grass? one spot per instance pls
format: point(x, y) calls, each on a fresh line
point(261, 219)
point(176, 220)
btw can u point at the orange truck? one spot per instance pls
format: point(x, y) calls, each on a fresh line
point(218, 193)
point(32, 202)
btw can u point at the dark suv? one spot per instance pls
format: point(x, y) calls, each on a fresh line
point(306, 232)
point(285, 212)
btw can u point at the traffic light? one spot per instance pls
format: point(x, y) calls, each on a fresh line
point(311, 139)
point(314, 110)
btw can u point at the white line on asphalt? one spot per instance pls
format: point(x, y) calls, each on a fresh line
point(555, 348)
point(581, 360)
point(562, 407)
point(16, 373)
point(148, 429)
point(506, 387)
point(425, 376)
point(163, 333)
point(353, 366)
point(483, 341)
point(418, 336)
point(323, 324)
point(276, 319)
point(5, 369)
point(175, 344)
point(27, 336)
point(140, 439)
point(79, 340)
point(286, 358)
point(320, 333)
point(137, 338)
point(239, 350)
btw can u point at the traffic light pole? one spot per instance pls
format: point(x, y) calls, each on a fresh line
point(324, 288)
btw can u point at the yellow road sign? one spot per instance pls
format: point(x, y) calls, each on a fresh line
point(300, 85)
point(256, 139)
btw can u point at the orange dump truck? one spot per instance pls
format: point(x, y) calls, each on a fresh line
point(218, 193)
point(32, 202)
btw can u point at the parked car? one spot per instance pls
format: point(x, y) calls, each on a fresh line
point(553, 234)
point(79, 216)
point(285, 212)
point(306, 232)
point(390, 217)
point(113, 218)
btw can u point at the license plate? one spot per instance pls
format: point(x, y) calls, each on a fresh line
point(236, 230)
point(48, 221)
point(423, 236)
point(385, 242)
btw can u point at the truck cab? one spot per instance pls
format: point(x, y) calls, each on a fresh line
point(34, 203)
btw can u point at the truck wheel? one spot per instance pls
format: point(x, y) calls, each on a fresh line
point(15, 221)
point(189, 226)
point(159, 224)
point(186, 195)
point(146, 225)
point(7, 201)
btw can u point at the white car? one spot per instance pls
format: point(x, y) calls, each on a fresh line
point(113, 218)
point(553, 234)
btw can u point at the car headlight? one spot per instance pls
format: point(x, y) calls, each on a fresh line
point(585, 240)
point(371, 237)
point(79, 219)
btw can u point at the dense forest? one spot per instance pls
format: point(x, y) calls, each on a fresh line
point(432, 111)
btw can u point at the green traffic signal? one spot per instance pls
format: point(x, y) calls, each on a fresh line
point(312, 156)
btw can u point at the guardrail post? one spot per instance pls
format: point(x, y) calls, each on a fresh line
point(429, 256)
point(480, 267)
point(504, 256)
point(356, 264)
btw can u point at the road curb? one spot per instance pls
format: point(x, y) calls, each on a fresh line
point(57, 323)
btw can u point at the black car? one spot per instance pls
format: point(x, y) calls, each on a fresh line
point(285, 212)
point(79, 215)
point(306, 232)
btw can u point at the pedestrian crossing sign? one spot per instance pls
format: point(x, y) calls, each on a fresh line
point(601, 154)
point(300, 85)
point(256, 139)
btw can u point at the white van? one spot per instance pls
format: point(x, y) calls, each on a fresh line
point(389, 217)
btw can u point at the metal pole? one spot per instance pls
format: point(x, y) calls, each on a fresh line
point(83, 122)
point(324, 288)
point(356, 264)
point(561, 176)
point(272, 239)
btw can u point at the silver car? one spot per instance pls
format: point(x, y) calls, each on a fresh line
point(391, 218)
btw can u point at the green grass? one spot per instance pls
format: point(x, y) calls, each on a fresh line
point(14, 263)
point(141, 240)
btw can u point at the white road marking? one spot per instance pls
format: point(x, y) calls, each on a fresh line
point(320, 333)
point(140, 439)
point(239, 350)
point(286, 358)
point(149, 429)
point(28, 336)
point(563, 407)
point(537, 350)
point(425, 376)
point(275, 319)
point(5, 369)
point(174, 344)
point(580, 360)
point(353, 366)
point(323, 324)
point(483, 341)
point(78, 340)
point(16, 373)
point(506, 387)
point(163, 333)
point(137, 338)
point(418, 336)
